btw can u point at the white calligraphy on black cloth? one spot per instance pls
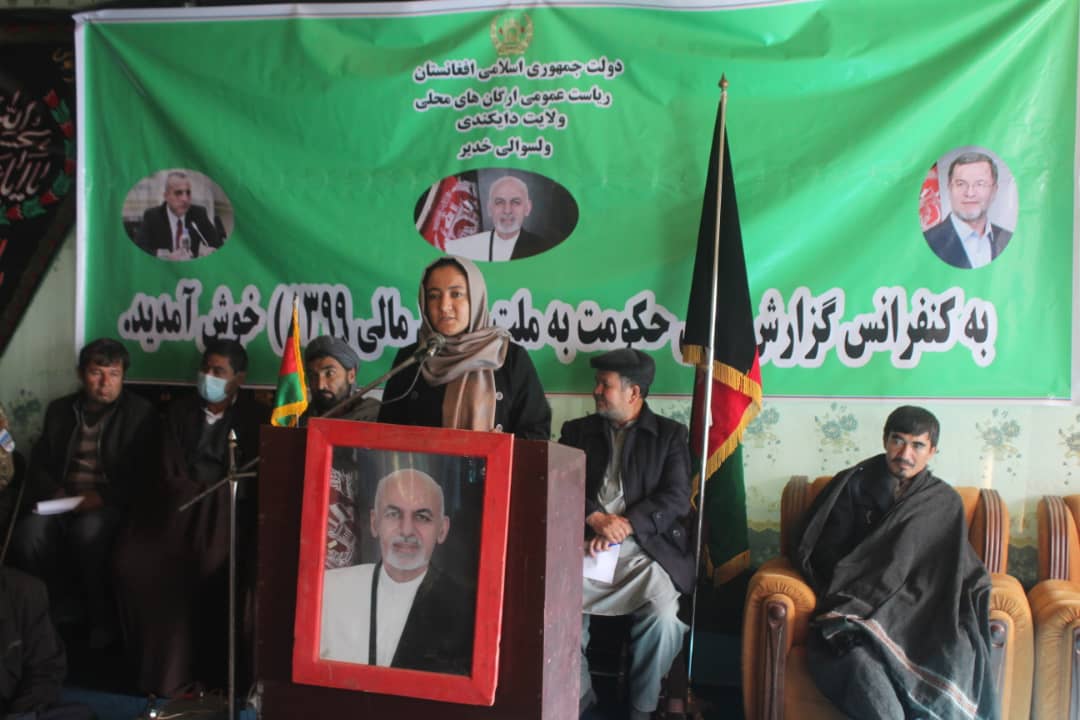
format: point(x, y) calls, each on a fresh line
point(24, 147)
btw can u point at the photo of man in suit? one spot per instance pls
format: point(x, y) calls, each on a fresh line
point(966, 238)
point(508, 205)
point(401, 611)
point(177, 229)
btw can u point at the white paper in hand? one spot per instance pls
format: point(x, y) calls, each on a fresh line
point(60, 505)
point(602, 567)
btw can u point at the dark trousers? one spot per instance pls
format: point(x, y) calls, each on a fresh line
point(71, 553)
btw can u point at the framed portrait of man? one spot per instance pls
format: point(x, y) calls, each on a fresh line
point(402, 559)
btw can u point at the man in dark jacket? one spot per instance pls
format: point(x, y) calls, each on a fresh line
point(97, 446)
point(637, 498)
point(902, 623)
point(33, 660)
point(176, 229)
point(172, 567)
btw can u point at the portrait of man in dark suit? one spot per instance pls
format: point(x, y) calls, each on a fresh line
point(402, 611)
point(177, 229)
point(508, 205)
point(966, 238)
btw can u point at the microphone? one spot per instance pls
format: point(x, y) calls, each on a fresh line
point(435, 344)
point(195, 227)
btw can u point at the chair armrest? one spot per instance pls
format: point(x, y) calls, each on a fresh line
point(778, 608)
point(1055, 606)
point(1057, 531)
point(1012, 646)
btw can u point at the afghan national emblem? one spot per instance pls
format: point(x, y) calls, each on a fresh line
point(511, 33)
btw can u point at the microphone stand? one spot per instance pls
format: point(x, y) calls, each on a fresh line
point(234, 474)
point(232, 477)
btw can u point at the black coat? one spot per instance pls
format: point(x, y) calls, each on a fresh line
point(170, 567)
point(944, 241)
point(526, 245)
point(902, 623)
point(205, 527)
point(438, 634)
point(529, 244)
point(33, 660)
point(128, 447)
point(155, 234)
point(520, 405)
point(656, 484)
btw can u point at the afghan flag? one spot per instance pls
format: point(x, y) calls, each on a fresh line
point(450, 209)
point(736, 383)
point(291, 397)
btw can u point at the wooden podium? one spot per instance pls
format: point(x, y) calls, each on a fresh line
point(540, 644)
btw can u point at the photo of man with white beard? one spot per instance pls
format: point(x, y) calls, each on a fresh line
point(508, 206)
point(401, 611)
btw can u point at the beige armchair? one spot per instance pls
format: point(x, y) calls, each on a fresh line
point(1055, 605)
point(779, 603)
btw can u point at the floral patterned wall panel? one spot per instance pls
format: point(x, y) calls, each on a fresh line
point(1023, 451)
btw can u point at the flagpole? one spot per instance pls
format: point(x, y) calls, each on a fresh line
point(710, 354)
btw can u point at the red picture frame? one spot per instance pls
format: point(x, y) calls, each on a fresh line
point(362, 451)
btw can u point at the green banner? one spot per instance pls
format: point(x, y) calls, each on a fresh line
point(905, 180)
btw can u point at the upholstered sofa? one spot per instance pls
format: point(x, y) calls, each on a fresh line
point(779, 604)
point(1055, 606)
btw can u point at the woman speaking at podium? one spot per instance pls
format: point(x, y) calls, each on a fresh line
point(473, 376)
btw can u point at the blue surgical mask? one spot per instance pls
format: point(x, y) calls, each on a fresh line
point(211, 389)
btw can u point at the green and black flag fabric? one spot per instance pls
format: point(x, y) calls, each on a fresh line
point(736, 391)
point(291, 397)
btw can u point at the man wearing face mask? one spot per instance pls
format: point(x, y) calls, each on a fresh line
point(173, 569)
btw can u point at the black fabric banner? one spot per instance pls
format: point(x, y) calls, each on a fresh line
point(37, 155)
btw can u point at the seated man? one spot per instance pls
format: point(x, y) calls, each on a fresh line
point(331, 377)
point(172, 567)
point(637, 495)
point(901, 628)
point(96, 444)
point(33, 660)
point(422, 618)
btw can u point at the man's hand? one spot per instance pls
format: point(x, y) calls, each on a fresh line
point(613, 528)
point(91, 501)
point(596, 545)
point(177, 254)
